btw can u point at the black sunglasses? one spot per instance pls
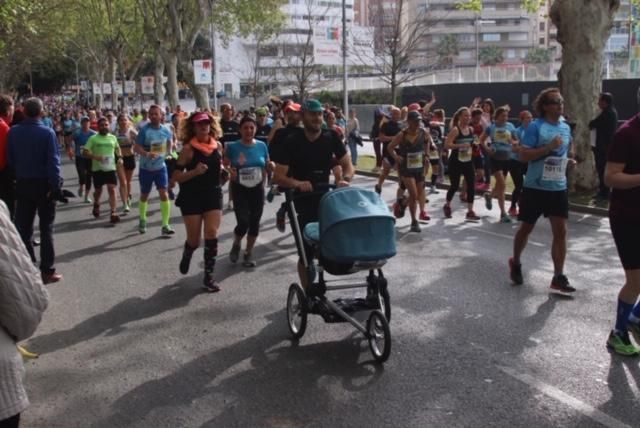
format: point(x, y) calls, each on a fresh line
point(555, 101)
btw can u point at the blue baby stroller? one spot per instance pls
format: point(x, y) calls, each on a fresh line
point(355, 232)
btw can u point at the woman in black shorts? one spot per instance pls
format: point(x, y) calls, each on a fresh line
point(200, 199)
point(126, 136)
point(460, 141)
point(413, 146)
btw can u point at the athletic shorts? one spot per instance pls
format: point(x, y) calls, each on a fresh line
point(200, 203)
point(100, 178)
point(148, 178)
point(129, 162)
point(418, 175)
point(500, 165)
point(534, 203)
point(434, 161)
point(626, 234)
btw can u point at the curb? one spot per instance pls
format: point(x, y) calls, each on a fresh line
point(583, 209)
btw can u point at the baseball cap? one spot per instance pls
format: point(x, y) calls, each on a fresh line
point(313, 105)
point(261, 111)
point(292, 107)
point(414, 107)
point(200, 117)
point(84, 119)
point(413, 115)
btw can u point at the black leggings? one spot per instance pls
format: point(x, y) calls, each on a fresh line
point(248, 203)
point(456, 170)
point(83, 166)
point(517, 170)
point(12, 422)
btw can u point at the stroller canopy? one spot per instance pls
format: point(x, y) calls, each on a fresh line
point(355, 225)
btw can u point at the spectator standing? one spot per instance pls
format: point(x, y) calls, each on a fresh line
point(7, 182)
point(33, 156)
point(604, 125)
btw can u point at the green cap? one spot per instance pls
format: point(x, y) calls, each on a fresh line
point(262, 111)
point(312, 105)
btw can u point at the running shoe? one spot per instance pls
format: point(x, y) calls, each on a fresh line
point(115, 218)
point(560, 283)
point(234, 254)
point(185, 261)
point(488, 203)
point(270, 195)
point(51, 277)
point(471, 216)
point(620, 343)
point(280, 220)
point(378, 189)
point(634, 329)
point(167, 230)
point(126, 209)
point(248, 261)
point(447, 211)
point(96, 210)
point(504, 218)
point(515, 272)
point(415, 227)
point(210, 285)
point(433, 190)
point(513, 211)
point(87, 199)
point(142, 226)
point(424, 216)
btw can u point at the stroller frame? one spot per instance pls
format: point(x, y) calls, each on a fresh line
point(314, 300)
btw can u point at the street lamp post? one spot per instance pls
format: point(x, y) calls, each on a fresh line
point(345, 89)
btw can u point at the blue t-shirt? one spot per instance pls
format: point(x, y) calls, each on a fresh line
point(249, 161)
point(67, 125)
point(549, 172)
point(80, 139)
point(501, 137)
point(154, 140)
point(47, 122)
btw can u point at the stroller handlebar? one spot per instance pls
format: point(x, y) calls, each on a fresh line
point(318, 189)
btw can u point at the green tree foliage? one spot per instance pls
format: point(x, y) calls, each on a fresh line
point(538, 56)
point(491, 55)
point(448, 49)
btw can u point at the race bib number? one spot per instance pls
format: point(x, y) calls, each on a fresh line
point(464, 155)
point(107, 161)
point(157, 147)
point(433, 154)
point(502, 136)
point(555, 169)
point(414, 161)
point(250, 177)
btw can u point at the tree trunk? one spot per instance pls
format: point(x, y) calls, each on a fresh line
point(99, 98)
point(112, 79)
point(171, 62)
point(200, 93)
point(580, 77)
point(158, 88)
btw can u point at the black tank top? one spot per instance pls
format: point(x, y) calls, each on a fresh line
point(207, 181)
point(412, 153)
point(463, 155)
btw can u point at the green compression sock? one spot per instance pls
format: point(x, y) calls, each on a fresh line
point(143, 206)
point(165, 209)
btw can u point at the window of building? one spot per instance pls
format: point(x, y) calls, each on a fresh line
point(511, 53)
point(541, 41)
point(268, 50)
point(467, 54)
point(491, 37)
point(518, 37)
point(542, 26)
point(466, 38)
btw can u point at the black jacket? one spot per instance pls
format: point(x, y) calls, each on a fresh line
point(605, 125)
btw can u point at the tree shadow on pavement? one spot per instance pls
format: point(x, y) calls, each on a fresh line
point(167, 298)
point(281, 385)
point(623, 380)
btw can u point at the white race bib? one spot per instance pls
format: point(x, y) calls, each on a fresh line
point(157, 147)
point(433, 154)
point(250, 177)
point(464, 155)
point(414, 160)
point(107, 161)
point(555, 169)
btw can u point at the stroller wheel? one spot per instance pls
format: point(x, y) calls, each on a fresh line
point(296, 311)
point(379, 336)
point(384, 302)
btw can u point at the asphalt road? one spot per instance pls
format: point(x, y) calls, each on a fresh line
point(129, 342)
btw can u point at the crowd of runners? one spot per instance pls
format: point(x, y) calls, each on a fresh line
point(263, 150)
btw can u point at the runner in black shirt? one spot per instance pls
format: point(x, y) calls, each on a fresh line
point(305, 162)
point(263, 128)
point(230, 132)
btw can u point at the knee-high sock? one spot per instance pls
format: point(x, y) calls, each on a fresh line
point(165, 210)
point(210, 254)
point(143, 206)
